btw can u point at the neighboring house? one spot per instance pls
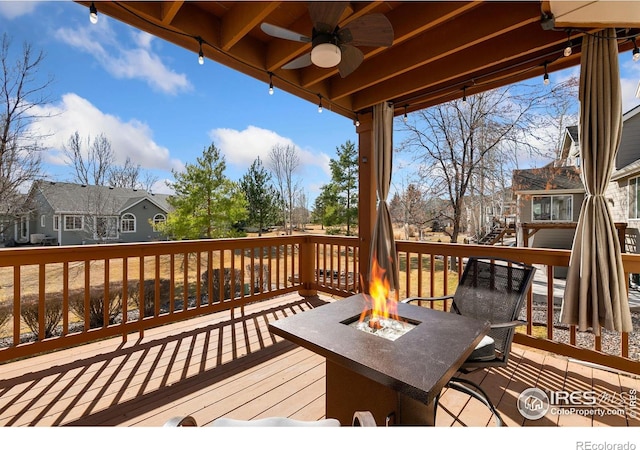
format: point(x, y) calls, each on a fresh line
point(624, 188)
point(70, 214)
point(549, 198)
point(15, 225)
point(554, 193)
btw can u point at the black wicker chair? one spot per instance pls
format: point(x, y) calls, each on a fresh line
point(494, 290)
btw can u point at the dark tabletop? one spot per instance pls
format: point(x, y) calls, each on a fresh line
point(418, 364)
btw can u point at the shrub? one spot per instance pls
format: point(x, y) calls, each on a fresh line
point(52, 313)
point(97, 304)
point(333, 231)
point(149, 295)
point(215, 280)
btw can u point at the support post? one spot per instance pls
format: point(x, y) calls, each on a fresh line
point(307, 264)
point(366, 195)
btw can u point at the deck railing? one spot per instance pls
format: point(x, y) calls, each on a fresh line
point(57, 297)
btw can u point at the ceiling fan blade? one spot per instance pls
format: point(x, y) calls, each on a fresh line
point(299, 62)
point(352, 57)
point(283, 33)
point(372, 30)
point(325, 15)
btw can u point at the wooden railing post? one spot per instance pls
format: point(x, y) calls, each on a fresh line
point(307, 258)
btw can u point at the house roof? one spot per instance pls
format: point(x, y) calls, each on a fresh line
point(572, 131)
point(70, 198)
point(570, 143)
point(440, 50)
point(547, 178)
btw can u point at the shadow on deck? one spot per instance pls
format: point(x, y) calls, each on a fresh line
point(228, 364)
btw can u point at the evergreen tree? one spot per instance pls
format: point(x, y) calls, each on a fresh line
point(328, 210)
point(206, 203)
point(344, 177)
point(262, 198)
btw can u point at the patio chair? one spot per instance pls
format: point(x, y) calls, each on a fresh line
point(360, 418)
point(494, 290)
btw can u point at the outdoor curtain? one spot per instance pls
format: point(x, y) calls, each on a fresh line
point(596, 287)
point(383, 246)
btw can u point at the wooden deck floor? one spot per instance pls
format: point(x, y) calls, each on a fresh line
point(221, 365)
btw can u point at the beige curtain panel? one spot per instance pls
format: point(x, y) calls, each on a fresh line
point(596, 288)
point(383, 245)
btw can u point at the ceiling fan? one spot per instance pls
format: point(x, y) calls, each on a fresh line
point(334, 46)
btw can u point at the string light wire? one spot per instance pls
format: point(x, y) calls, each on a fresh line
point(338, 107)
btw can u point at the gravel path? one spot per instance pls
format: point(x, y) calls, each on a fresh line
point(610, 339)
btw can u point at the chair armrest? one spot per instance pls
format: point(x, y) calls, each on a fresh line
point(426, 299)
point(512, 324)
point(181, 421)
point(363, 419)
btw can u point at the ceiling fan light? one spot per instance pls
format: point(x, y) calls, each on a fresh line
point(326, 55)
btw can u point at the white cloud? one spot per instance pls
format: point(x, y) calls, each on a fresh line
point(11, 10)
point(135, 62)
point(128, 139)
point(241, 148)
point(161, 187)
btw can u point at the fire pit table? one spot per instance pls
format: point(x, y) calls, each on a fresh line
point(397, 379)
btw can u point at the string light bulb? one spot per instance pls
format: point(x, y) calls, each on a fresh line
point(636, 51)
point(200, 54)
point(356, 122)
point(270, 83)
point(93, 13)
point(546, 74)
point(464, 94)
point(319, 103)
point(405, 118)
point(568, 50)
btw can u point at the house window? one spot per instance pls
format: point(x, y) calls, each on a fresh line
point(43, 221)
point(73, 223)
point(553, 208)
point(56, 223)
point(158, 219)
point(128, 223)
point(634, 198)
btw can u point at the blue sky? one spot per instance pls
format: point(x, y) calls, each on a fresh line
point(157, 105)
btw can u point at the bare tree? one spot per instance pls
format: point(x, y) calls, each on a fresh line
point(301, 215)
point(460, 145)
point(91, 165)
point(95, 164)
point(410, 209)
point(126, 176)
point(283, 162)
point(101, 220)
point(20, 150)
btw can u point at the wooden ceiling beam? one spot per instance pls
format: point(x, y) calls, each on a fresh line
point(190, 20)
point(441, 93)
point(281, 51)
point(442, 41)
point(241, 19)
point(468, 62)
point(408, 21)
point(169, 11)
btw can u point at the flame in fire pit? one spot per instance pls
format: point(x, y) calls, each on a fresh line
point(382, 307)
